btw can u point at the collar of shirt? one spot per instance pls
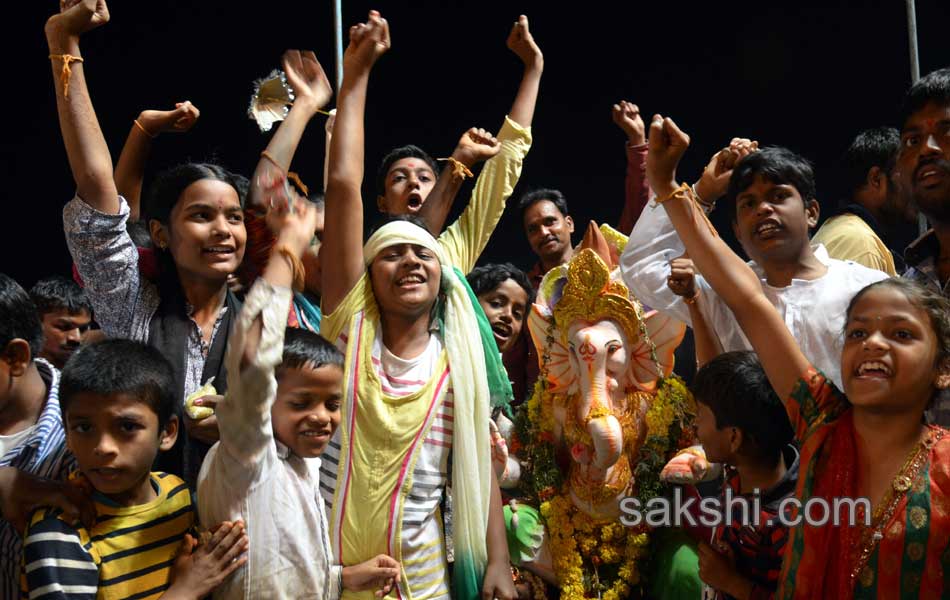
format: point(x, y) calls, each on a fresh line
point(924, 249)
point(781, 489)
point(51, 417)
point(818, 249)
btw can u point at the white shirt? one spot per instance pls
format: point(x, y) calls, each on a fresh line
point(813, 310)
point(9, 442)
point(249, 475)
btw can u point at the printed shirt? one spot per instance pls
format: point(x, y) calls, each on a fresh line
point(128, 553)
point(914, 554)
point(249, 475)
point(123, 299)
point(813, 310)
point(760, 546)
point(42, 454)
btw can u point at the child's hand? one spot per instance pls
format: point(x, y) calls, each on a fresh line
point(306, 76)
point(627, 117)
point(294, 228)
point(521, 42)
point(198, 570)
point(498, 584)
point(368, 41)
point(76, 17)
point(686, 468)
point(717, 569)
point(668, 143)
point(715, 178)
point(476, 145)
point(179, 120)
point(22, 493)
point(380, 574)
point(206, 429)
point(682, 279)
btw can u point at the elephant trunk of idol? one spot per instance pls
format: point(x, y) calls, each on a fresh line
point(604, 428)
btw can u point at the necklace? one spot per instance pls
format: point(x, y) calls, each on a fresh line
point(902, 482)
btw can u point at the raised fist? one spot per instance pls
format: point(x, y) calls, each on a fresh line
point(179, 120)
point(521, 42)
point(76, 17)
point(668, 143)
point(627, 117)
point(368, 41)
point(476, 145)
point(306, 76)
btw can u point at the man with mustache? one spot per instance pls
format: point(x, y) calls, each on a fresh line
point(876, 217)
point(923, 170)
point(66, 315)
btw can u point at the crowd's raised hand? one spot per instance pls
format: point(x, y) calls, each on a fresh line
point(627, 117)
point(713, 182)
point(368, 41)
point(307, 78)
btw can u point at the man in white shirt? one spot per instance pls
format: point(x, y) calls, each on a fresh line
point(772, 204)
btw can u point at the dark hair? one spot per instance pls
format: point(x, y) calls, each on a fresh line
point(875, 147)
point(117, 366)
point(168, 186)
point(778, 165)
point(400, 153)
point(59, 293)
point(303, 348)
point(933, 87)
point(735, 388)
point(138, 231)
point(488, 277)
point(318, 199)
point(937, 307)
point(386, 219)
point(532, 198)
point(18, 316)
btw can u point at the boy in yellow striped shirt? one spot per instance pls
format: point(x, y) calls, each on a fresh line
point(118, 409)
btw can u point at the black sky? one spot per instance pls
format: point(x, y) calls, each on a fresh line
point(807, 75)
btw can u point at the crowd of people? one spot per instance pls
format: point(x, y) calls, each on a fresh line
point(234, 393)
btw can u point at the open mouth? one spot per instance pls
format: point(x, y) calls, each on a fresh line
point(873, 369)
point(107, 473)
point(414, 202)
point(767, 230)
point(316, 434)
point(219, 251)
point(501, 331)
point(410, 281)
point(930, 175)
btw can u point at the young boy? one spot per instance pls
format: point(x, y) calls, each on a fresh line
point(118, 406)
point(65, 313)
point(772, 206)
point(265, 469)
point(32, 439)
point(506, 296)
point(741, 423)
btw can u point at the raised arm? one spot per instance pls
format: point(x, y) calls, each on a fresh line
point(728, 275)
point(343, 234)
point(312, 92)
point(475, 146)
point(522, 43)
point(86, 148)
point(682, 282)
point(130, 170)
point(626, 116)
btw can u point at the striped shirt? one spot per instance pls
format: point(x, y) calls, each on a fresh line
point(127, 554)
point(424, 557)
point(44, 454)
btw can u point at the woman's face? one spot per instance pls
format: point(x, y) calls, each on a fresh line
point(206, 234)
point(406, 279)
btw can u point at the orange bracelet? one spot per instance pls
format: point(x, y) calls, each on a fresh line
point(144, 130)
point(685, 192)
point(295, 265)
point(67, 59)
point(458, 169)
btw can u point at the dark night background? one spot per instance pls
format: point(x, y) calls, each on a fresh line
point(807, 75)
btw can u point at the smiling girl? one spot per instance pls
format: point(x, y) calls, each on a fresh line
point(196, 223)
point(867, 442)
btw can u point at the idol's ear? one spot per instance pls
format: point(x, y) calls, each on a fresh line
point(665, 333)
point(560, 375)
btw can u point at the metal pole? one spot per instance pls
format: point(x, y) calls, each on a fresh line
point(338, 29)
point(912, 40)
point(922, 225)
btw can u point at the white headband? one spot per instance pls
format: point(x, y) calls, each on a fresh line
point(401, 232)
